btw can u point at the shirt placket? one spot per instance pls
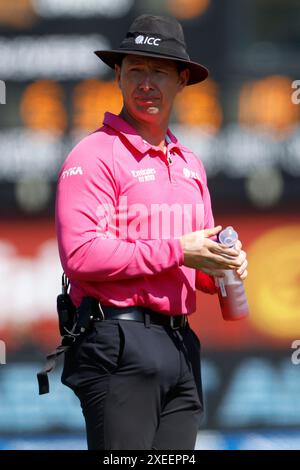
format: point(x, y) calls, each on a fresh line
point(165, 157)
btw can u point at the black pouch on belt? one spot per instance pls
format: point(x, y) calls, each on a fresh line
point(66, 312)
point(70, 328)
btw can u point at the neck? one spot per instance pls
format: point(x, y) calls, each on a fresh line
point(152, 132)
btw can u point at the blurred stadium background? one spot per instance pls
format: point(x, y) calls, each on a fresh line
point(244, 125)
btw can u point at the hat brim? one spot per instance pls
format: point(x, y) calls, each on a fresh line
point(198, 72)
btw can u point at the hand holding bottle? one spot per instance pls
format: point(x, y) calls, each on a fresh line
point(202, 252)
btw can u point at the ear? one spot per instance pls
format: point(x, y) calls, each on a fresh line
point(183, 78)
point(118, 74)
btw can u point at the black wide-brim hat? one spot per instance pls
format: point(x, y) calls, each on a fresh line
point(159, 37)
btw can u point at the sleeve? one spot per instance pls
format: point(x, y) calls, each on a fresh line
point(205, 282)
point(87, 190)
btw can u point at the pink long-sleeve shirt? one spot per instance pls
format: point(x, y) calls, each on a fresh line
point(121, 206)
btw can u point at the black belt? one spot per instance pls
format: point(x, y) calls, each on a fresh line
point(139, 314)
point(90, 310)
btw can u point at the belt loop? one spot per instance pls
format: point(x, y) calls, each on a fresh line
point(147, 319)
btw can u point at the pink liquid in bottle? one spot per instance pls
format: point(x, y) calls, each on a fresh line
point(232, 298)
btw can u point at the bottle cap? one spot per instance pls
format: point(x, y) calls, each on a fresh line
point(228, 236)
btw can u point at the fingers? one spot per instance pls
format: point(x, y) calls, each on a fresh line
point(242, 259)
point(219, 273)
point(220, 249)
point(224, 262)
point(244, 264)
point(223, 250)
point(210, 232)
point(238, 245)
point(244, 275)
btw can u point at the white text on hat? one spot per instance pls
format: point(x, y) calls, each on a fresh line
point(147, 40)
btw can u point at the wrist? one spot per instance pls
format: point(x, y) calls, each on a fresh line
point(182, 243)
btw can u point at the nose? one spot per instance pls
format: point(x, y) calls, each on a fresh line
point(146, 84)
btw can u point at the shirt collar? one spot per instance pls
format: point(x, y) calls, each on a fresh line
point(121, 126)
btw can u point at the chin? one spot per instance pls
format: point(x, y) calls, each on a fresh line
point(152, 110)
point(149, 113)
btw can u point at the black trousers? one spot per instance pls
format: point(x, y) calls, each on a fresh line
point(139, 386)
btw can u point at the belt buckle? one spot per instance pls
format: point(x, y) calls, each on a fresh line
point(182, 323)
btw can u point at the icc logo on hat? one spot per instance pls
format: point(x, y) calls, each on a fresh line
point(147, 40)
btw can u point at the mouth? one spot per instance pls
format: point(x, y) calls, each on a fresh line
point(147, 101)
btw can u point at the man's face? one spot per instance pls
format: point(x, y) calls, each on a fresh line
point(149, 86)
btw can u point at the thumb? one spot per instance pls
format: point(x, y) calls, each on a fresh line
point(210, 232)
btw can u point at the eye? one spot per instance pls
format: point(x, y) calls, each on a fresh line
point(135, 69)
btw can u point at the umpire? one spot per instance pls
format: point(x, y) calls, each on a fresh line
point(135, 227)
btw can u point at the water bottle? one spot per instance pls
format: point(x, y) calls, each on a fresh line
point(231, 291)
